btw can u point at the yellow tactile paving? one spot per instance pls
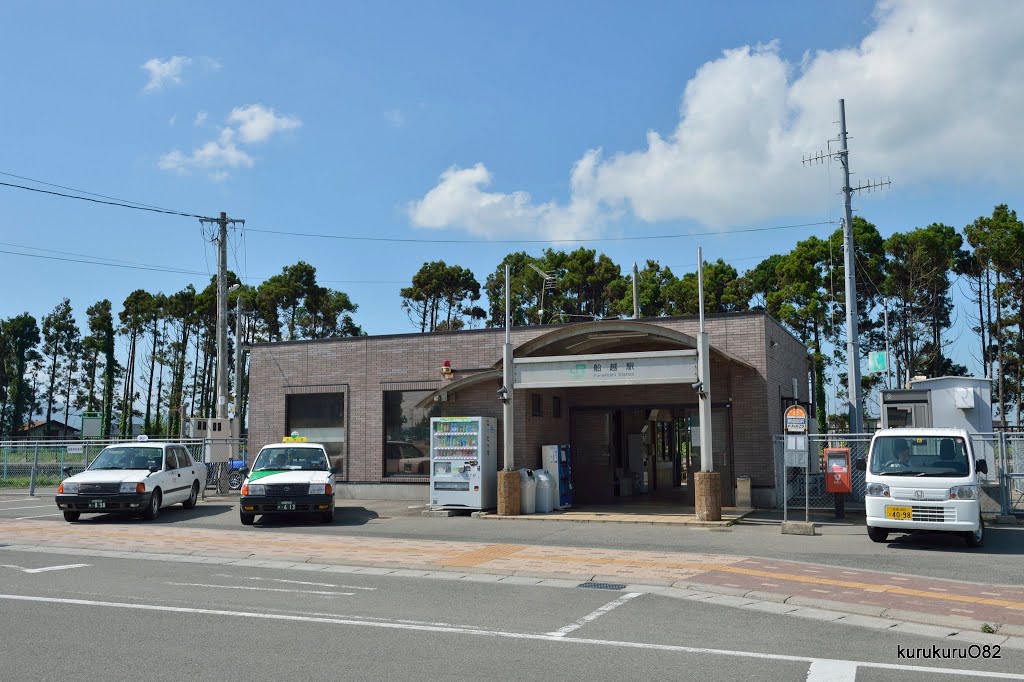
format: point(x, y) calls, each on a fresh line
point(482, 556)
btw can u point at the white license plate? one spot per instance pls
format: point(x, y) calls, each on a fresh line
point(97, 504)
point(286, 506)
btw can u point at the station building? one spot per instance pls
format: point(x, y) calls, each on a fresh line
point(370, 399)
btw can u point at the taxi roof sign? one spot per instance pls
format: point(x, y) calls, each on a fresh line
point(295, 439)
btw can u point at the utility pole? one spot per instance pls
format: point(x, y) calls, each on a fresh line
point(238, 355)
point(222, 309)
point(547, 283)
point(849, 265)
point(707, 482)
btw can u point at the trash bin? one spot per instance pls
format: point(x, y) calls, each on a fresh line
point(527, 492)
point(545, 491)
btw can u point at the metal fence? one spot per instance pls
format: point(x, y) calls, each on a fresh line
point(30, 464)
point(1002, 488)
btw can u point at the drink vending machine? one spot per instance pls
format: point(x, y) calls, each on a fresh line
point(464, 462)
point(557, 460)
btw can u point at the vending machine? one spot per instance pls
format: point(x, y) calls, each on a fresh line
point(557, 461)
point(464, 462)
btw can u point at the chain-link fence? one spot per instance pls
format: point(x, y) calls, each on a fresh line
point(1002, 488)
point(28, 464)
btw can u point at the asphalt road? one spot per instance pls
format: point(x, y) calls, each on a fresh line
point(839, 544)
point(88, 617)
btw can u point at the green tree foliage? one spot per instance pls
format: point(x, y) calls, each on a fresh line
point(19, 337)
point(441, 296)
point(60, 343)
point(291, 305)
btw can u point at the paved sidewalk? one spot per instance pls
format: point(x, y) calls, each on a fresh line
point(870, 593)
point(652, 513)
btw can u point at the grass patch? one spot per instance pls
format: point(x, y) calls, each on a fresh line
point(985, 627)
point(42, 480)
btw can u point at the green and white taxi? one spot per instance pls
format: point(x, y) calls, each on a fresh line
point(289, 478)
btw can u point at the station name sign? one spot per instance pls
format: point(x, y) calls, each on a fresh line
point(608, 369)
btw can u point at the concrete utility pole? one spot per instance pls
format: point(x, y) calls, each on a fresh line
point(222, 309)
point(849, 264)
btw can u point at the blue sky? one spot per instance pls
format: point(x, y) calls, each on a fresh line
point(531, 120)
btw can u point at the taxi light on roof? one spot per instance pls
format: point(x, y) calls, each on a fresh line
point(143, 438)
point(295, 439)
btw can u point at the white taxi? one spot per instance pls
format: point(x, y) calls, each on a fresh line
point(288, 478)
point(137, 477)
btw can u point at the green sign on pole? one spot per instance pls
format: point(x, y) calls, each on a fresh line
point(877, 361)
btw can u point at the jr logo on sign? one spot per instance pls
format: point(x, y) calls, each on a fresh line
point(579, 370)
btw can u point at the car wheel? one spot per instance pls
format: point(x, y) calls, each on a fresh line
point(327, 516)
point(878, 534)
point(247, 519)
point(976, 538)
point(72, 516)
point(153, 510)
point(235, 480)
point(190, 503)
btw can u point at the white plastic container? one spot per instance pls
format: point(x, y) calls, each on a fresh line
point(545, 490)
point(527, 492)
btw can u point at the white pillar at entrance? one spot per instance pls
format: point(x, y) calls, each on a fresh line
point(507, 414)
point(703, 375)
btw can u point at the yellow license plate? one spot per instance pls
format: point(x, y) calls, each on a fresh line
point(902, 513)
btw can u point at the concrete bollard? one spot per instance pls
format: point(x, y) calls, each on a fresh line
point(743, 492)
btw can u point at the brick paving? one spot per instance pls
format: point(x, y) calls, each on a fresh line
point(844, 587)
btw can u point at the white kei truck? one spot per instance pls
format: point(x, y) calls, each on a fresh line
point(923, 479)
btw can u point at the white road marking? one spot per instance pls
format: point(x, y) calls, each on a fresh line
point(38, 516)
point(293, 582)
point(35, 506)
point(832, 671)
point(44, 569)
point(512, 635)
point(53, 568)
point(562, 632)
point(263, 589)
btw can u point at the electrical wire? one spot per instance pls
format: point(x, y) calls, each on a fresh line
point(121, 204)
point(411, 240)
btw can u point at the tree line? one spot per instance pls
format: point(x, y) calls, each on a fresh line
point(52, 368)
point(168, 370)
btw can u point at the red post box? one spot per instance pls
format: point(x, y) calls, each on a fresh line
point(837, 470)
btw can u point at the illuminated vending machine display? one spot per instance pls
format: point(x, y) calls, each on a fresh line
point(464, 462)
point(557, 461)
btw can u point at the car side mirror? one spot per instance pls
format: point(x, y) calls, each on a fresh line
point(334, 470)
point(860, 464)
point(981, 466)
point(153, 468)
point(66, 471)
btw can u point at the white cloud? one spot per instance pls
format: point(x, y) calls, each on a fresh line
point(395, 118)
point(932, 93)
point(172, 120)
point(256, 122)
point(252, 123)
point(215, 156)
point(164, 71)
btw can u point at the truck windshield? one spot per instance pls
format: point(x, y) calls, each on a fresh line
point(919, 456)
point(291, 459)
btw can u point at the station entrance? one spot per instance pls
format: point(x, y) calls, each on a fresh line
point(640, 453)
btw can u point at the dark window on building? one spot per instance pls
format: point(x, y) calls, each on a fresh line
point(556, 407)
point(320, 418)
point(407, 433)
point(536, 404)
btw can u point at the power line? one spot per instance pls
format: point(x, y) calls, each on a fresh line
point(82, 191)
point(411, 240)
point(121, 204)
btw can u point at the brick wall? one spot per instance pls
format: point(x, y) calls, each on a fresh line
point(367, 366)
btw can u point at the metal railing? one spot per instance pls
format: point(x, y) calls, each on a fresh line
point(1002, 488)
point(30, 464)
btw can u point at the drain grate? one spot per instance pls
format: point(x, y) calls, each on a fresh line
point(602, 586)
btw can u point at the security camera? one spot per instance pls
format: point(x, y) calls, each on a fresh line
point(697, 386)
point(503, 394)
